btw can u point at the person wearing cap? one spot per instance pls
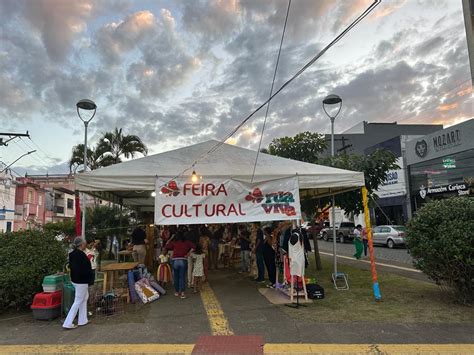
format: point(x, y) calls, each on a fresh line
point(81, 277)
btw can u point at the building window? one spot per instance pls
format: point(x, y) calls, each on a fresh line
point(70, 203)
point(40, 200)
point(30, 196)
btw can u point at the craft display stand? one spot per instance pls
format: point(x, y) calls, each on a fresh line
point(111, 272)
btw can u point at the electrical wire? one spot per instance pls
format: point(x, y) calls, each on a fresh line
point(354, 23)
point(46, 164)
point(271, 90)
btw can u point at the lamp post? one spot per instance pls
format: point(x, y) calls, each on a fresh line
point(331, 101)
point(87, 105)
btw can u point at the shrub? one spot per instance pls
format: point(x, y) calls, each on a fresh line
point(441, 240)
point(25, 258)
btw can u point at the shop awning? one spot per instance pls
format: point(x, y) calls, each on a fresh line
point(131, 182)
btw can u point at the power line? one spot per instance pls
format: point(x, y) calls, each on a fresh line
point(271, 90)
point(301, 71)
point(369, 9)
point(38, 157)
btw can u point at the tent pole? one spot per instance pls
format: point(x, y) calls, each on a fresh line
point(333, 212)
point(368, 228)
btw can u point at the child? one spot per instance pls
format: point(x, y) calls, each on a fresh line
point(163, 274)
point(92, 254)
point(198, 271)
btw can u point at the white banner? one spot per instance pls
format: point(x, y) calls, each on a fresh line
point(181, 201)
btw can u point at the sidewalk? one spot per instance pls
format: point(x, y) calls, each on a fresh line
point(246, 312)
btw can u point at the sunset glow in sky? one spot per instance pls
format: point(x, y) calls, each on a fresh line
point(182, 72)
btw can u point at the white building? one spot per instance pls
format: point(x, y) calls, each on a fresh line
point(7, 201)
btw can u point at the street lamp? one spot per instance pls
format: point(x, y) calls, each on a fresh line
point(87, 105)
point(331, 101)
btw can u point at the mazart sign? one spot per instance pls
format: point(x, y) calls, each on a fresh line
point(181, 201)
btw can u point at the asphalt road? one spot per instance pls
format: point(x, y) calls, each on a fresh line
point(398, 255)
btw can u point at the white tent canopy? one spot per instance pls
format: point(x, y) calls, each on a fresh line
point(131, 182)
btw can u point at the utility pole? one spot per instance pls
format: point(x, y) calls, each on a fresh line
point(344, 146)
point(11, 136)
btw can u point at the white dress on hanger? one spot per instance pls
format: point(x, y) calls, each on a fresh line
point(297, 261)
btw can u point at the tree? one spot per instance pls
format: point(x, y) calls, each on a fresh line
point(305, 146)
point(375, 167)
point(111, 146)
point(308, 147)
point(105, 221)
point(116, 144)
point(96, 157)
point(440, 239)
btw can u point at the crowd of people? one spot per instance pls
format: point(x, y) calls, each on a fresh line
point(195, 249)
point(186, 254)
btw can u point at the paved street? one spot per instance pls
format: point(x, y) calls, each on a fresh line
point(399, 255)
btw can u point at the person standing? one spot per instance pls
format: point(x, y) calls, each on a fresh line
point(81, 277)
point(244, 239)
point(198, 271)
point(181, 250)
point(358, 242)
point(365, 240)
point(216, 237)
point(205, 242)
point(269, 256)
point(259, 247)
point(139, 245)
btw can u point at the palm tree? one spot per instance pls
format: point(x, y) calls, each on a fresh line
point(96, 157)
point(116, 144)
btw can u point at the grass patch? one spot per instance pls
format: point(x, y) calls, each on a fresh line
point(404, 300)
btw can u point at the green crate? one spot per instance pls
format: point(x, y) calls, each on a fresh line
point(56, 279)
point(68, 296)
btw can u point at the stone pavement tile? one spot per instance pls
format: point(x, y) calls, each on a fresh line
point(233, 344)
point(168, 320)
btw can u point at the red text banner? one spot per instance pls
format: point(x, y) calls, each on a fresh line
point(181, 201)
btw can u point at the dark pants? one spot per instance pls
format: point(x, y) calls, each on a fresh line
point(366, 242)
point(260, 266)
point(269, 258)
point(180, 266)
point(213, 256)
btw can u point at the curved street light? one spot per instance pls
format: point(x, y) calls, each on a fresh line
point(87, 105)
point(331, 101)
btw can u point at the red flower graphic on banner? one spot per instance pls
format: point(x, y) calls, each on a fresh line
point(171, 189)
point(256, 196)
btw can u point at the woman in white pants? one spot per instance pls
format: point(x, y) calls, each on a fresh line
point(81, 277)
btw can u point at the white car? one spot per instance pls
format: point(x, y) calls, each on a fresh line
point(391, 236)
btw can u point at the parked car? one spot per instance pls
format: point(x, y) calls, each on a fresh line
point(344, 232)
point(391, 236)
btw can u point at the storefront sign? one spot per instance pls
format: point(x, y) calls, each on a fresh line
point(440, 144)
point(181, 201)
point(447, 139)
point(394, 185)
point(449, 163)
point(460, 189)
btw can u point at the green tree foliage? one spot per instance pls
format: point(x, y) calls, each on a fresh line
point(117, 145)
point(441, 241)
point(305, 146)
point(104, 221)
point(111, 147)
point(25, 258)
point(308, 147)
point(375, 167)
point(67, 228)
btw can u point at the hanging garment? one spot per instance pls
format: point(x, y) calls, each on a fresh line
point(297, 260)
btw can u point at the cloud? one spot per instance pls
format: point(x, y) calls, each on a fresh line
point(58, 22)
point(114, 39)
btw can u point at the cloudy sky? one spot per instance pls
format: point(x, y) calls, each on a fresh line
point(181, 72)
